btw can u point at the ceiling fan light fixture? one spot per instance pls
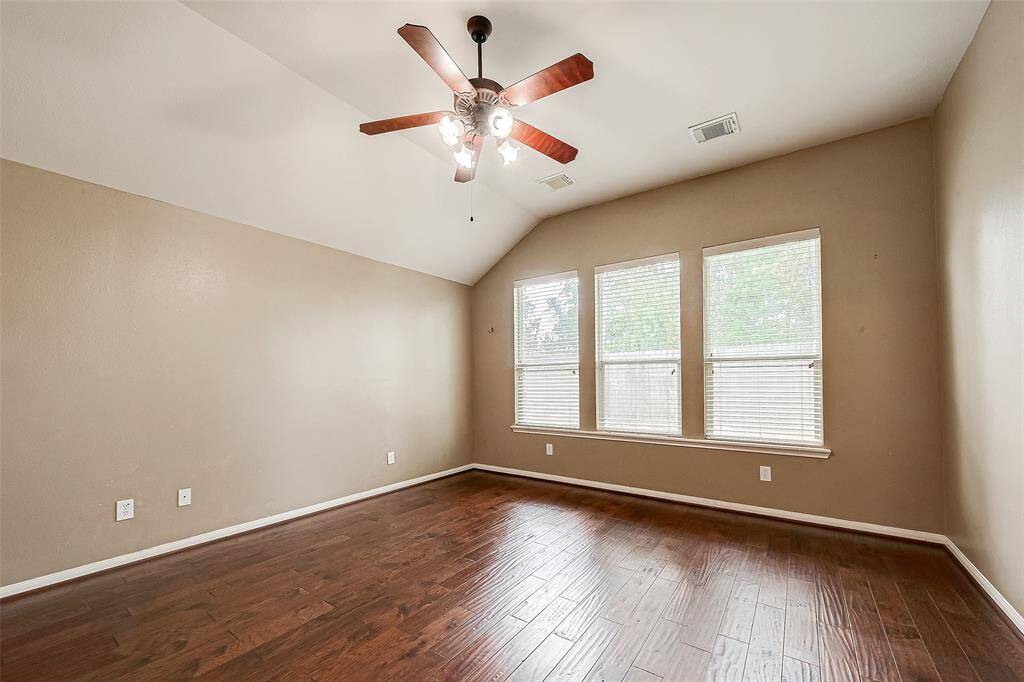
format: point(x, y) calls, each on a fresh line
point(451, 129)
point(500, 122)
point(464, 157)
point(482, 106)
point(508, 151)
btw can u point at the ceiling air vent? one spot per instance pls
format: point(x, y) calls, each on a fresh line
point(716, 127)
point(557, 181)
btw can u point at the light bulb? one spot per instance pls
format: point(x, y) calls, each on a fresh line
point(500, 122)
point(464, 157)
point(508, 152)
point(451, 129)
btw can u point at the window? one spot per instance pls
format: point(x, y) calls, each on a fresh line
point(762, 340)
point(547, 351)
point(637, 321)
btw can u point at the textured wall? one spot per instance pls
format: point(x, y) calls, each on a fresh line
point(872, 197)
point(147, 348)
point(979, 144)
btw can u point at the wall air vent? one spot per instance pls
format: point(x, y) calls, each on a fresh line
point(716, 127)
point(557, 181)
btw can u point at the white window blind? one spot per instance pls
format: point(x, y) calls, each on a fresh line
point(637, 325)
point(547, 351)
point(762, 340)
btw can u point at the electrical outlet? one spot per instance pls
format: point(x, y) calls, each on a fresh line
point(124, 510)
point(391, 457)
point(549, 448)
point(184, 497)
point(766, 473)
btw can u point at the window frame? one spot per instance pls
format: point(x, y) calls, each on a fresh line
point(516, 366)
point(599, 364)
point(746, 245)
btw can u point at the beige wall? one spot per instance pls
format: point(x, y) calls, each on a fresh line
point(147, 347)
point(979, 143)
point(872, 197)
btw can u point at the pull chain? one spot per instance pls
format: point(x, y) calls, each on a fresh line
point(470, 202)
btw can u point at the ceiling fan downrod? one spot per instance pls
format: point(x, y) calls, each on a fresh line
point(479, 28)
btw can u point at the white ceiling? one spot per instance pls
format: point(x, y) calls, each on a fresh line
point(254, 116)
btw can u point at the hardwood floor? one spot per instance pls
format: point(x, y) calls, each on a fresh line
point(488, 577)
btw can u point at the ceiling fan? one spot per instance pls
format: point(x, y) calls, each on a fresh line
point(483, 107)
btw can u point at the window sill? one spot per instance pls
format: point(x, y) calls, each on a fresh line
point(678, 441)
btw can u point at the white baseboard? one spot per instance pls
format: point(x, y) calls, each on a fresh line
point(133, 557)
point(919, 535)
point(987, 587)
point(922, 536)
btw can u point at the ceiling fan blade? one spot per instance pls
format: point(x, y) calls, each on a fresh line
point(542, 142)
point(467, 174)
point(426, 45)
point(389, 125)
point(565, 74)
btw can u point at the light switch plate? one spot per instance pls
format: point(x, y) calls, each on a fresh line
point(766, 473)
point(124, 510)
point(549, 448)
point(391, 457)
point(184, 497)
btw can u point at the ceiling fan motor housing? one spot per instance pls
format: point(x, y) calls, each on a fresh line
point(474, 109)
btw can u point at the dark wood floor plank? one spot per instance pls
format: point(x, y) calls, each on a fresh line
point(776, 576)
point(739, 614)
point(555, 587)
point(543, 659)
point(993, 624)
point(910, 654)
point(831, 601)
point(471, 658)
point(681, 558)
point(801, 641)
point(874, 657)
point(795, 670)
point(520, 647)
point(666, 654)
point(484, 620)
point(256, 634)
point(764, 653)
point(727, 661)
point(594, 604)
point(950, 660)
point(585, 652)
point(704, 620)
point(656, 653)
point(644, 546)
point(838, 656)
point(626, 599)
point(410, 658)
point(638, 675)
point(687, 663)
point(618, 657)
point(682, 600)
point(985, 656)
point(478, 576)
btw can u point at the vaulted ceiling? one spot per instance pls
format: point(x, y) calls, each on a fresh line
point(249, 111)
